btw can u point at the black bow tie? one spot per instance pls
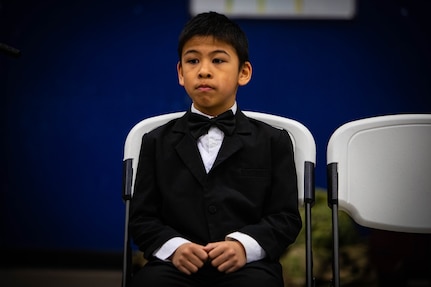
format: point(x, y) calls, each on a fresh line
point(199, 124)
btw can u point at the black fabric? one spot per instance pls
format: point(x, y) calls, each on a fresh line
point(199, 124)
point(158, 273)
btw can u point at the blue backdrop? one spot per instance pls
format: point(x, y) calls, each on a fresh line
point(90, 70)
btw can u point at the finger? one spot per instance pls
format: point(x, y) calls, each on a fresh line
point(197, 261)
point(228, 266)
point(223, 267)
point(201, 254)
point(184, 270)
point(188, 266)
point(216, 251)
point(232, 269)
point(183, 265)
point(209, 247)
point(222, 262)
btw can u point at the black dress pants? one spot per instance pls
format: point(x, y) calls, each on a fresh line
point(164, 274)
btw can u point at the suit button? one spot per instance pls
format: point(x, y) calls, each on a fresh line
point(212, 209)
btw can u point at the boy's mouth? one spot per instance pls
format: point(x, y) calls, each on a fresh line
point(204, 88)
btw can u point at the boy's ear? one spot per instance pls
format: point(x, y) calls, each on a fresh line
point(245, 74)
point(180, 74)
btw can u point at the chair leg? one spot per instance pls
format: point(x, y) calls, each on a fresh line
point(127, 196)
point(310, 281)
point(332, 179)
point(309, 199)
point(335, 248)
point(127, 251)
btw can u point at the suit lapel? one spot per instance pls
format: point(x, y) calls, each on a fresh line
point(234, 143)
point(230, 146)
point(187, 150)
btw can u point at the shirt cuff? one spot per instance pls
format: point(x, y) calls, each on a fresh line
point(253, 250)
point(167, 249)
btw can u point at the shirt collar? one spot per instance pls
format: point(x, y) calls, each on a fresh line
point(194, 110)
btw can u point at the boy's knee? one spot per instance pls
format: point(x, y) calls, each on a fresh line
point(158, 275)
point(255, 276)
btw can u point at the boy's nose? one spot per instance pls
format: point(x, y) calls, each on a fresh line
point(204, 71)
point(204, 75)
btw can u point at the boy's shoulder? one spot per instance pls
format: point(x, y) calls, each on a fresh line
point(163, 128)
point(258, 124)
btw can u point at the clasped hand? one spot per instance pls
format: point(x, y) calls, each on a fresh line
point(226, 256)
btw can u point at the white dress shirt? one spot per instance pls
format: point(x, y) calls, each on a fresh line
point(209, 146)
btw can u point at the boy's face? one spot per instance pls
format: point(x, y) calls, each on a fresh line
point(209, 71)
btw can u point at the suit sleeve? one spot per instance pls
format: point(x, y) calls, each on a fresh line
point(146, 228)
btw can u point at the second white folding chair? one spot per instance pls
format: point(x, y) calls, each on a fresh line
point(379, 172)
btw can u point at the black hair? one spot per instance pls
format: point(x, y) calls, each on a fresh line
point(218, 26)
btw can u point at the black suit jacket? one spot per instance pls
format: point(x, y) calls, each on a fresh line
point(251, 188)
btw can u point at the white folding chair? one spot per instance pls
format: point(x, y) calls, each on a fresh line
point(305, 158)
point(379, 172)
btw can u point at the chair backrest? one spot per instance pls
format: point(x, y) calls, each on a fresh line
point(383, 166)
point(379, 173)
point(132, 146)
point(302, 139)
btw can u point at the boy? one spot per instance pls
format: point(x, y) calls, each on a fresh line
point(215, 201)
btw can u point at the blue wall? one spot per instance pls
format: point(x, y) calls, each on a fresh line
point(90, 70)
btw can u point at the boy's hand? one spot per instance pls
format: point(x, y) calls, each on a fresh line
point(189, 257)
point(226, 256)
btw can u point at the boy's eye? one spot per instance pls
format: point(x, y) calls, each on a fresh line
point(218, 61)
point(192, 61)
